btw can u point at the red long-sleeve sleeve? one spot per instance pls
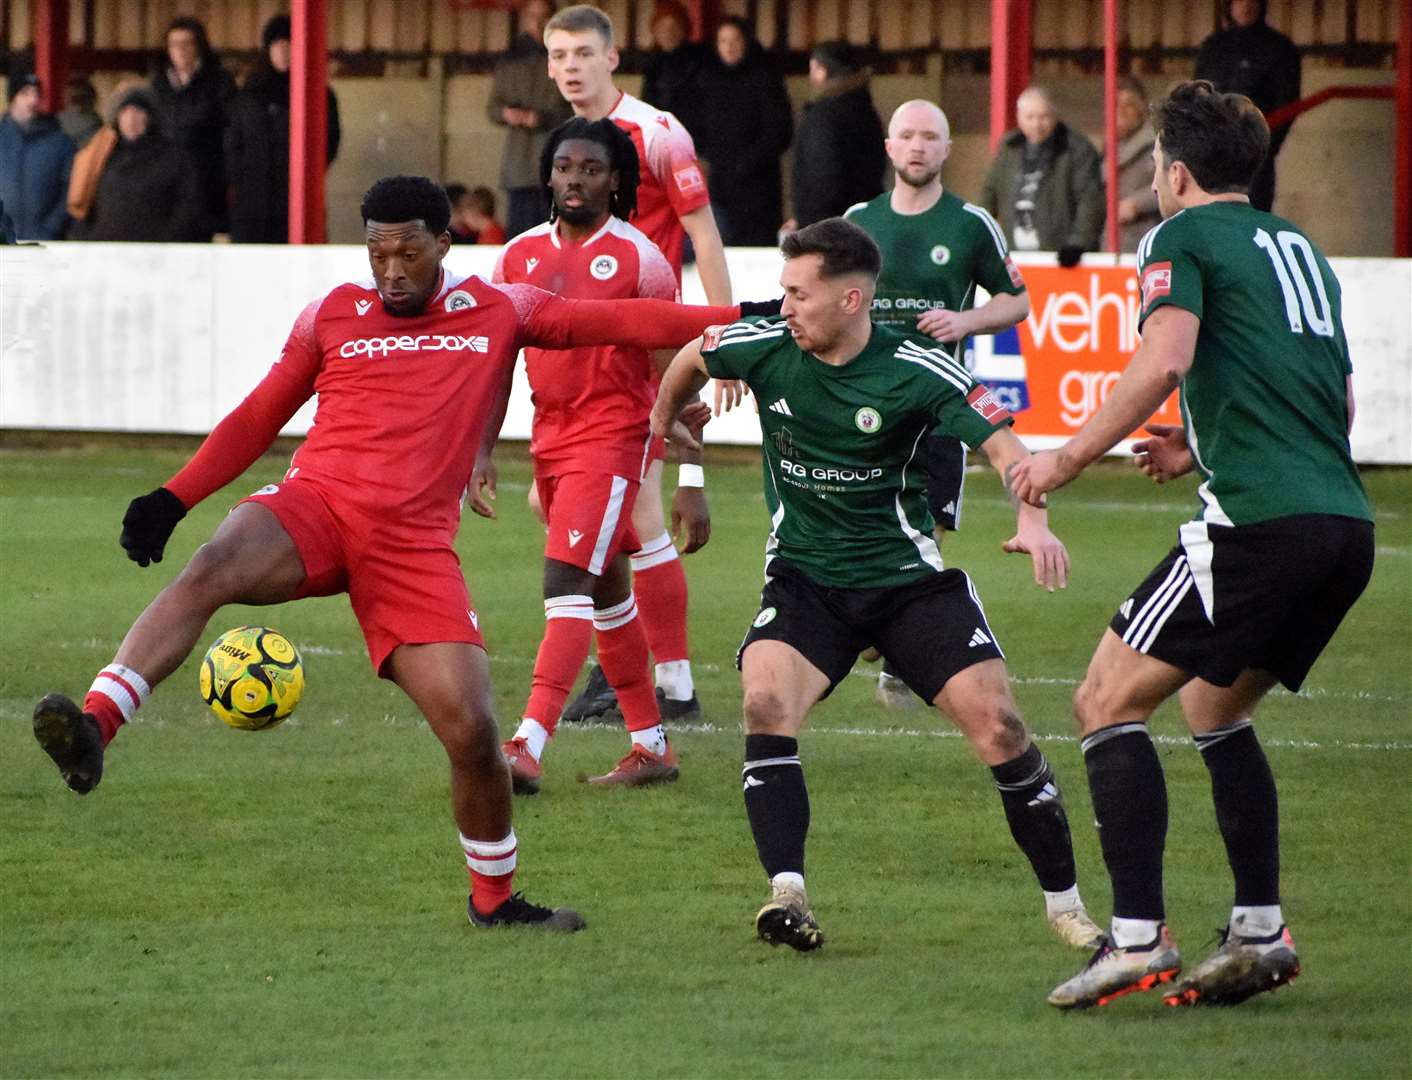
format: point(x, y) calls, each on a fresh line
point(555, 322)
point(249, 429)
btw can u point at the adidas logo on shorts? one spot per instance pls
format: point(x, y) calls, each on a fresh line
point(979, 638)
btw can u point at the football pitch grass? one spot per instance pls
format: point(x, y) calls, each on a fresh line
point(291, 903)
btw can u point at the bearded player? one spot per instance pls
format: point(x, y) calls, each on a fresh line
point(936, 249)
point(672, 204)
point(591, 446)
point(407, 365)
point(1242, 314)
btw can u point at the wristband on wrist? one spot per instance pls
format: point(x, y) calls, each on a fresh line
point(691, 476)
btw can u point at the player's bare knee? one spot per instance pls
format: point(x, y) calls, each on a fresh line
point(766, 712)
point(471, 741)
point(1095, 706)
point(1002, 733)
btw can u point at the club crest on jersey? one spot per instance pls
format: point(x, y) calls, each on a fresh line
point(987, 404)
point(766, 616)
point(1156, 281)
point(867, 420)
point(603, 267)
point(941, 254)
point(460, 300)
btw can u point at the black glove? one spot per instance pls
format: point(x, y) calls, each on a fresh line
point(1070, 254)
point(148, 525)
point(760, 307)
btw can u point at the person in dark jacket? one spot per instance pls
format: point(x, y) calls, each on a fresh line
point(257, 143)
point(743, 135)
point(1251, 58)
point(79, 118)
point(193, 95)
point(35, 159)
point(527, 104)
point(1045, 186)
point(839, 158)
point(673, 69)
point(150, 189)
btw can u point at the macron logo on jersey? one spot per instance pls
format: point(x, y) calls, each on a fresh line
point(781, 407)
point(375, 347)
point(530, 264)
point(362, 306)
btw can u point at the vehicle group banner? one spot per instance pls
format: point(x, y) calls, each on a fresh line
point(1053, 370)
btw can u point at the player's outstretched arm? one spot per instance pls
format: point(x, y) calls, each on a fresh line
point(1032, 536)
point(1156, 369)
point(228, 451)
point(554, 322)
point(681, 382)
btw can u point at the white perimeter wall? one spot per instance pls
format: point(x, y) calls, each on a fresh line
point(168, 338)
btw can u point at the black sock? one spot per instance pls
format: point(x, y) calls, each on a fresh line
point(1130, 807)
point(1247, 810)
point(1034, 808)
point(776, 801)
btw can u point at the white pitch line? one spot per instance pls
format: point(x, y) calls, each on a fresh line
point(949, 733)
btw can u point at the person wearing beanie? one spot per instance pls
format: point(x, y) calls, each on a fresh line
point(35, 159)
point(257, 143)
point(150, 188)
point(193, 94)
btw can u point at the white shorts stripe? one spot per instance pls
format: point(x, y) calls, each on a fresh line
point(1142, 631)
point(608, 526)
point(980, 608)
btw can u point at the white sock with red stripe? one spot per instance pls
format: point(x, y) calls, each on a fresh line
point(492, 866)
point(116, 694)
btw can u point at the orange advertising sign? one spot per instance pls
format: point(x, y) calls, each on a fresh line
point(1054, 369)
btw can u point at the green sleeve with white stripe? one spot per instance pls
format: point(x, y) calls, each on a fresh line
point(994, 270)
point(959, 406)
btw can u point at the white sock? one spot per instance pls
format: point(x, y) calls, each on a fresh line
point(674, 679)
point(788, 880)
point(124, 687)
point(654, 738)
point(1128, 933)
point(1256, 920)
point(1056, 903)
point(532, 731)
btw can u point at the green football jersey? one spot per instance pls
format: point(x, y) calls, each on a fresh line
point(934, 259)
point(844, 479)
point(1265, 403)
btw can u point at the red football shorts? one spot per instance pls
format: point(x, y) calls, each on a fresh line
point(589, 516)
point(406, 588)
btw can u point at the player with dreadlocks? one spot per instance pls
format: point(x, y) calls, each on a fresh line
point(591, 447)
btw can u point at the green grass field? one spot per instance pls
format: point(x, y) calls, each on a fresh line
point(292, 903)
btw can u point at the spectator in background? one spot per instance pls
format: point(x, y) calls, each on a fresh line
point(473, 215)
point(193, 96)
point(525, 101)
point(150, 188)
point(257, 143)
point(743, 135)
point(839, 158)
point(35, 159)
point(79, 118)
point(673, 69)
point(1046, 183)
point(1248, 57)
point(1137, 202)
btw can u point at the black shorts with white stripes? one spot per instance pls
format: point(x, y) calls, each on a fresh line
point(927, 630)
point(946, 474)
point(1266, 596)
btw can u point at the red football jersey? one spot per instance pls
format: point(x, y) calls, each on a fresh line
point(590, 404)
point(672, 182)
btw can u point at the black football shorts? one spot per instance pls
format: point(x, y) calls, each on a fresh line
point(1266, 596)
point(926, 630)
point(946, 473)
